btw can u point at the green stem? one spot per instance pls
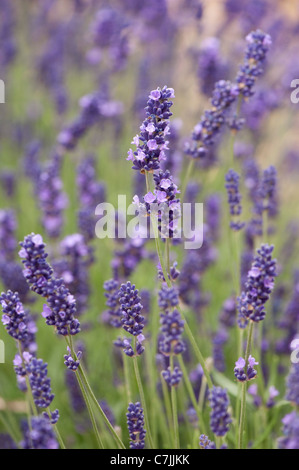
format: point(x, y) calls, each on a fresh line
point(187, 177)
point(192, 396)
point(127, 378)
point(143, 402)
point(197, 351)
point(168, 409)
point(93, 397)
point(99, 408)
point(90, 411)
point(174, 409)
point(169, 283)
point(244, 387)
point(167, 249)
point(9, 429)
point(59, 438)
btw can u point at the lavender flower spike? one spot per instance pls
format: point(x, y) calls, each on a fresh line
point(61, 308)
point(258, 44)
point(131, 319)
point(234, 198)
point(135, 422)
point(40, 434)
point(259, 285)
point(150, 143)
point(219, 418)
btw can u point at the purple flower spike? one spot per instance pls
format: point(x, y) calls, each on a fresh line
point(131, 319)
point(40, 434)
point(151, 141)
point(234, 198)
point(135, 422)
point(259, 285)
point(219, 418)
point(61, 305)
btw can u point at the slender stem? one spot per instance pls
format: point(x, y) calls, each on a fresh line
point(142, 398)
point(59, 438)
point(187, 177)
point(92, 396)
point(192, 396)
point(244, 387)
point(174, 409)
point(197, 350)
point(99, 408)
point(167, 247)
point(127, 378)
point(169, 283)
point(90, 411)
point(9, 429)
point(168, 408)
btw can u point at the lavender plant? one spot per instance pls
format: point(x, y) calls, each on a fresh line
point(204, 353)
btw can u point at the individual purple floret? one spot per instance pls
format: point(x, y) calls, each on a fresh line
point(70, 362)
point(239, 370)
point(54, 416)
point(259, 285)
point(172, 377)
point(126, 345)
point(240, 366)
point(291, 432)
point(273, 393)
point(251, 372)
point(257, 48)
point(61, 309)
point(39, 435)
point(173, 275)
point(205, 443)
point(220, 418)
point(234, 198)
point(151, 143)
point(135, 423)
